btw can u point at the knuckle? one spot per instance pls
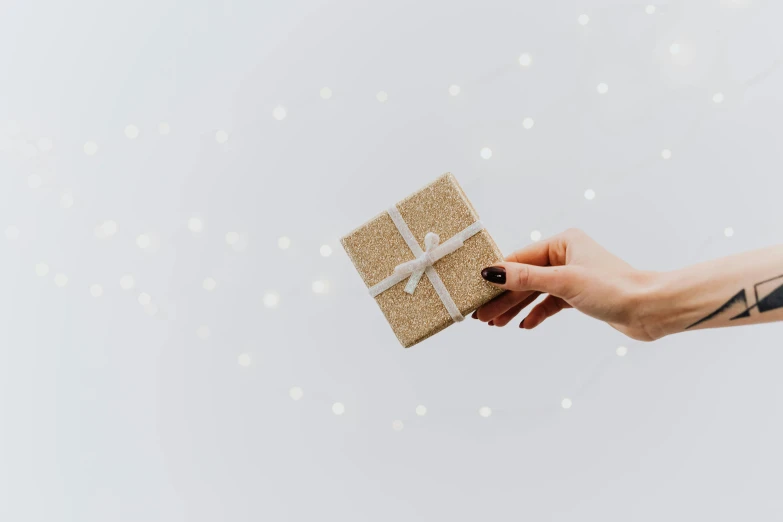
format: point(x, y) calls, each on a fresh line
point(522, 276)
point(575, 233)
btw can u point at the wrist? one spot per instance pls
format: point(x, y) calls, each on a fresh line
point(657, 304)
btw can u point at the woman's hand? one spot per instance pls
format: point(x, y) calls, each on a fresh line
point(576, 272)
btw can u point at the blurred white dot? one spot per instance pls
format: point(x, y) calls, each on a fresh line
point(525, 59)
point(589, 194)
point(421, 410)
point(602, 88)
point(728, 232)
point(382, 96)
point(11, 232)
point(271, 300)
point(90, 148)
point(221, 136)
point(279, 113)
point(717, 97)
point(209, 284)
point(61, 280)
point(650, 9)
point(565, 403)
point(528, 123)
point(151, 309)
point(535, 235)
point(621, 351)
point(109, 227)
point(583, 19)
point(283, 242)
point(326, 93)
point(131, 132)
point(454, 90)
point(326, 250)
point(296, 393)
point(397, 425)
point(96, 290)
point(485, 411)
point(144, 299)
point(34, 181)
point(45, 144)
point(320, 287)
point(674, 48)
point(232, 237)
point(486, 153)
point(338, 408)
point(203, 332)
point(195, 225)
point(666, 154)
point(66, 200)
point(143, 241)
point(41, 269)
point(164, 128)
point(127, 282)
point(240, 245)
point(244, 360)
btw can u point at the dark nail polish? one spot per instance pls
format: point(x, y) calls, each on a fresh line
point(522, 324)
point(475, 315)
point(494, 274)
point(491, 323)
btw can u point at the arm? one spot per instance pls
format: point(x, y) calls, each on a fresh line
point(736, 290)
point(578, 273)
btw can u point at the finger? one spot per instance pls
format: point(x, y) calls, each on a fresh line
point(549, 252)
point(543, 310)
point(508, 315)
point(560, 281)
point(500, 304)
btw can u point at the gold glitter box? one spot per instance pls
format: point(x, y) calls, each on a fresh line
point(380, 246)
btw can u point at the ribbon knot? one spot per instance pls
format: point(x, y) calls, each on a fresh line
point(416, 267)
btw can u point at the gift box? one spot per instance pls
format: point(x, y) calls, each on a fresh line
point(422, 259)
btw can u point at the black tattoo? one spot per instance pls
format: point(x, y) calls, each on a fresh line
point(739, 297)
point(769, 296)
point(774, 299)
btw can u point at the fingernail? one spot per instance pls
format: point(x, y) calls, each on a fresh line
point(491, 323)
point(474, 315)
point(522, 324)
point(494, 274)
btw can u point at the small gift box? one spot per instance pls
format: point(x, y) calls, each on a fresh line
point(422, 260)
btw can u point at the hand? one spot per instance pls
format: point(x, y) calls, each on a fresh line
point(576, 272)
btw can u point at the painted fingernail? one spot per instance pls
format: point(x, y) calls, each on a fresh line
point(522, 324)
point(491, 323)
point(474, 315)
point(494, 274)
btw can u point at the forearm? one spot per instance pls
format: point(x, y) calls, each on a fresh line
point(732, 291)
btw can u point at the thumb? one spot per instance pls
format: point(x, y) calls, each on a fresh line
point(560, 281)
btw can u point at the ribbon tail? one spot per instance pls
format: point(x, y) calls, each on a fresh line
point(413, 281)
point(443, 293)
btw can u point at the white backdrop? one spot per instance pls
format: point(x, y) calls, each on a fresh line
point(173, 340)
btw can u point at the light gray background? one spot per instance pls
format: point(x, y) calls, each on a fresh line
point(115, 411)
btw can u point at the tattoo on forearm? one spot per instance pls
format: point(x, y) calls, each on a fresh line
point(769, 296)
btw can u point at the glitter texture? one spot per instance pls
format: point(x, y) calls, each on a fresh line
point(377, 247)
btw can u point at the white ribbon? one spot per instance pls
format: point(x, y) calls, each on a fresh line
point(424, 260)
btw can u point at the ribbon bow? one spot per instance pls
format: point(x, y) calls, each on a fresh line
point(434, 251)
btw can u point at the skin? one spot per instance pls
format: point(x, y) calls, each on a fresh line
point(576, 272)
